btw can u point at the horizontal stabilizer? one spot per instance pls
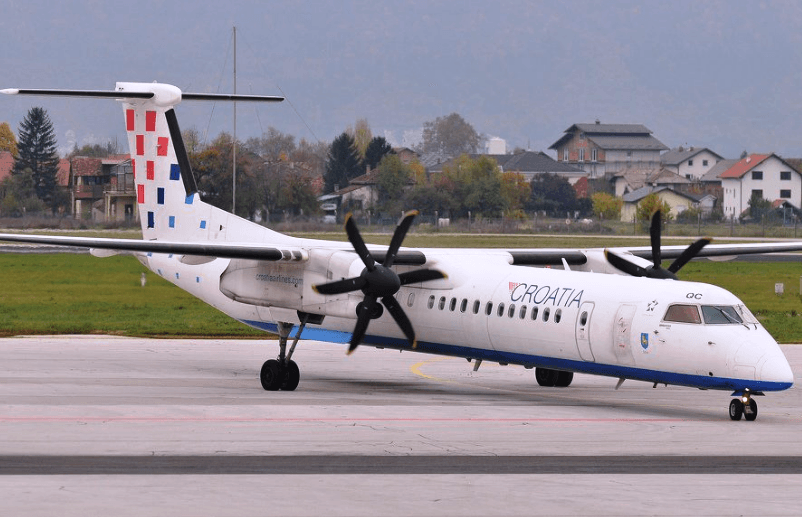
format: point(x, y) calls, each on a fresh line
point(117, 94)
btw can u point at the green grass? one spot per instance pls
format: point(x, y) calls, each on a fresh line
point(81, 294)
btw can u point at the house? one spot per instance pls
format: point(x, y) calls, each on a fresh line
point(678, 201)
point(690, 162)
point(103, 189)
point(633, 178)
point(602, 149)
point(6, 164)
point(764, 175)
point(527, 163)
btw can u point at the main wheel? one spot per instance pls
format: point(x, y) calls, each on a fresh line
point(750, 411)
point(564, 379)
point(292, 376)
point(271, 375)
point(546, 377)
point(736, 409)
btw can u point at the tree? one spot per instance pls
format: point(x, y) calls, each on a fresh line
point(758, 207)
point(606, 206)
point(552, 193)
point(362, 136)
point(391, 181)
point(515, 191)
point(343, 163)
point(449, 137)
point(478, 184)
point(8, 142)
point(376, 150)
point(649, 205)
point(36, 151)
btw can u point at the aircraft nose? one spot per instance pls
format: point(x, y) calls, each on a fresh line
point(776, 369)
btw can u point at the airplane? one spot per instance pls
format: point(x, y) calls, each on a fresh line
point(612, 312)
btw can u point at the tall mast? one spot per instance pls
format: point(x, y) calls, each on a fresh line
point(234, 153)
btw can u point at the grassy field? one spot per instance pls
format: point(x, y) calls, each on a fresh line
point(81, 294)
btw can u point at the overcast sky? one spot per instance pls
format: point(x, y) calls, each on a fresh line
point(721, 74)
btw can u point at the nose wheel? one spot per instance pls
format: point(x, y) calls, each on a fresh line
point(744, 405)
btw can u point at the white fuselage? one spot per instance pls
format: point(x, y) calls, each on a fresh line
point(488, 309)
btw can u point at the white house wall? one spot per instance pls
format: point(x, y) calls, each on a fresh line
point(698, 169)
point(738, 191)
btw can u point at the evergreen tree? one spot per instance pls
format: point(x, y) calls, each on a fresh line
point(377, 149)
point(36, 151)
point(343, 164)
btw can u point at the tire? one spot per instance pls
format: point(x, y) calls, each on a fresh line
point(564, 379)
point(750, 413)
point(546, 377)
point(292, 375)
point(736, 409)
point(270, 376)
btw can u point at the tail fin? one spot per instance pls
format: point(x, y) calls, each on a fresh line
point(167, 195)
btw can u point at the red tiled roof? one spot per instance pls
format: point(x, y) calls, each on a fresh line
point(6, 164)
point(744, 165)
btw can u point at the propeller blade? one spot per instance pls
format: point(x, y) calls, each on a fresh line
point(346, 285)
point(356, 241)
point(400, 317)
point(624, 265)
point(398, 237)
point(654, 234)
point(689, 253)
point(362, 320)
point(420, 275)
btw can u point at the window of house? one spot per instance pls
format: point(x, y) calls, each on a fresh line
point(785, 194)
point(690, 163)
point(594, 155)
point(704, 163)
point(785, 175)
point(629, 154)
point(581, 155)
point(757, 175)
point(758, 193)
point(565, 154)
point(581, 136)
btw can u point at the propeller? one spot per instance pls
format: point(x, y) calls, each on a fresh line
point(378, 282)
point(656, 271)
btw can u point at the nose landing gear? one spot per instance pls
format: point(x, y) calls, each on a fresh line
point(744, 405)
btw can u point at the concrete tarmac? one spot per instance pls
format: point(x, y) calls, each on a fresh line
point(100, 425)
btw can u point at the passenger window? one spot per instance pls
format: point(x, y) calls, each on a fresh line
point(558, 315)
point(583, 318)
point(546, 313)
point(522, 314)
point(463, 305)
point(476, 305)
point(534, 313)
point(442, 304)
point(489, 308)
point(431, 301)
point(511, 311)
point(681, 313)
point(452, 305)
point(410, 299)
point(500, 309)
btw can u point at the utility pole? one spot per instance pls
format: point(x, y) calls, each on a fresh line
point(234, 143)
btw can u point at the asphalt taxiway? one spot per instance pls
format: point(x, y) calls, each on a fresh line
point(103, 424)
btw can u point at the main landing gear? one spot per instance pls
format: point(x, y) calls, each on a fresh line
point(553, 378)
point(744, 405)
point(282, 373)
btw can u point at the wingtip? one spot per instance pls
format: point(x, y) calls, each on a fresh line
point(10, 91)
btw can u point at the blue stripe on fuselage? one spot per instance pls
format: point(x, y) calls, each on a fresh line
point(609, 370)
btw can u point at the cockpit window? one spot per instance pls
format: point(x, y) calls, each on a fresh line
point(721, 315)
point(681, 313)
point(746, 315)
